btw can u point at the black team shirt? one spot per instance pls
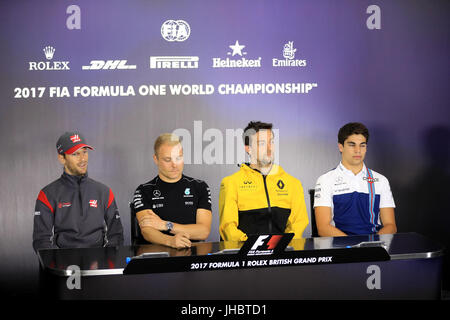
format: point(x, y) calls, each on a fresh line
point(176, 202)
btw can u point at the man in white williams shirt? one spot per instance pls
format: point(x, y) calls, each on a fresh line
point(353, 199)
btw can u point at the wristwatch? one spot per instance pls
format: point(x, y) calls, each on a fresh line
point(169, 226)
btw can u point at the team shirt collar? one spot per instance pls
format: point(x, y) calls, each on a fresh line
point(275, 170)
point(350, 173)
point(74, 180)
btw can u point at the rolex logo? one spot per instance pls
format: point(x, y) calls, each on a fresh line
point(48, 65)
point(49, 52)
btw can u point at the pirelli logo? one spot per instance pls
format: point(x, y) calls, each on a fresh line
point(174, 62)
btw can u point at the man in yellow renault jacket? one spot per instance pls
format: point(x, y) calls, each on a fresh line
point(261, 197)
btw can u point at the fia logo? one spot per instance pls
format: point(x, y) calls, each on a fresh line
point(175, 30)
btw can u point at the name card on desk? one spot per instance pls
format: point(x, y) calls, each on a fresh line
point(242, 261)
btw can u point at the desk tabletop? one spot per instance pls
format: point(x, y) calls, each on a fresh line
point(113, 260)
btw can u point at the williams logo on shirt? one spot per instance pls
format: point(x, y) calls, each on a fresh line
point(370, 180)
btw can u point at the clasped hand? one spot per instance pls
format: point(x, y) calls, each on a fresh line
point(179, 240)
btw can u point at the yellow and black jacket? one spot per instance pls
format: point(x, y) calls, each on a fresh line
point(251, 203)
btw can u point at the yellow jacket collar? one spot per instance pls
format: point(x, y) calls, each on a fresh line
point(274, 171)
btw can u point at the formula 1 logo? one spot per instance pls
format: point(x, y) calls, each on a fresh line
point(269, 244)
point(175, 30)
point(266, 244)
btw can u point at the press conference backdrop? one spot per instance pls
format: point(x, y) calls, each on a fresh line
point(122, 72)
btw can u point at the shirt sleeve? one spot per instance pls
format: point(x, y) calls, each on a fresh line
point(323, 196)
point(114, 229)
point(204, 200)
point(140, 200)
point(229, 212)
point(44, 217)
point(386, 197)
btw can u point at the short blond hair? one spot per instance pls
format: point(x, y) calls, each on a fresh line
point(166, 138)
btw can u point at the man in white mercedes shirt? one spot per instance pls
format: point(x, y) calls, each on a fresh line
point(353, 199)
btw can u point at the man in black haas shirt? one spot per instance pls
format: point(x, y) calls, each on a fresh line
point(75, 210)
point(172, 209)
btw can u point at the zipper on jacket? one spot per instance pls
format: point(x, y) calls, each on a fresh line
point(79, 196)
point(269, 208)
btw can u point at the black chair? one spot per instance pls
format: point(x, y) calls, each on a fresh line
point(314, 232)
point(136, 235)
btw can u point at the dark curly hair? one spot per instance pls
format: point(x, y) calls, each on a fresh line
point(352, 128)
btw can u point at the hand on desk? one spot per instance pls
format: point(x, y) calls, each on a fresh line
point(181, 240)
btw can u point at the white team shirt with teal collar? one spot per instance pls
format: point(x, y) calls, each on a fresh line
point(355, 200)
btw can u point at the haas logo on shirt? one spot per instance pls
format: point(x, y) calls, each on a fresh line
point(75, 138)
point(93, 203)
